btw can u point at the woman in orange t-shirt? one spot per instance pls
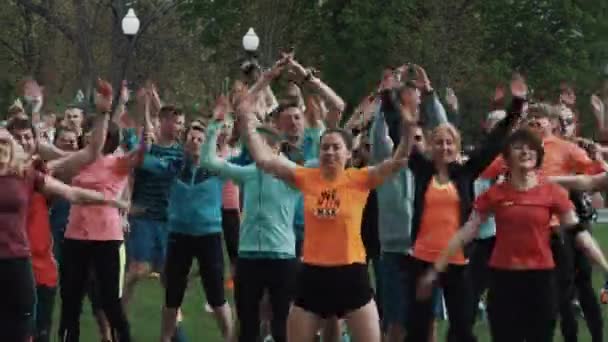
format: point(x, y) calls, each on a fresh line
point(522, 295)
point(333, 280)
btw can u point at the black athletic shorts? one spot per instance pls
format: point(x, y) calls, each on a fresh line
point(333, 291)
point(181, 250)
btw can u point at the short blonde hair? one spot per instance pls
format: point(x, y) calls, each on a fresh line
point(451, 130)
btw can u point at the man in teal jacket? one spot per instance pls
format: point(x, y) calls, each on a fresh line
point(195, 231)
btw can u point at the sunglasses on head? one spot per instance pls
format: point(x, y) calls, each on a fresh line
point(197, 127)
point(568, 121)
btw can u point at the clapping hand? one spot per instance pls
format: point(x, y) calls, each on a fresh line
point(451, 99)
point(32, 93)
point(103, 96)
point(422, 80)
point(221, 108)
point(519, 88)
point(124, 93)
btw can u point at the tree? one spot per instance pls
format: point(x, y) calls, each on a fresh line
point(86, 21)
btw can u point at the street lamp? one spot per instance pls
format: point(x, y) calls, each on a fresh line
point(130, 28)
point(130, 24)
point(251, 67)
point(251, 41)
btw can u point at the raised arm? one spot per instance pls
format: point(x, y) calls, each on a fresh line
point(453, 106)
point(381, 144)
point(493, 144)
point(50, 152)
point(399, 160)
point(334, 102)
point(78, 195)
point(434, 112)
point(71, 164)
point(211, 161)
point(314, 112)
point(121, 106)
point(267, 77)
point(263, 156)
point(582, 182)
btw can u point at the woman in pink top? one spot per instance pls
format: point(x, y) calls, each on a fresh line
point(231, 214)
point(94, 234)
point(18, 182)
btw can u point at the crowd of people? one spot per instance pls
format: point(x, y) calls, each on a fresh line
point(99, 199)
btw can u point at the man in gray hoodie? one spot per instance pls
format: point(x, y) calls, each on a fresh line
point(395, 199)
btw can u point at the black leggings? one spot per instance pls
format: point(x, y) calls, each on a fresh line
point(478, 268)
point(17, 297)
point(253, 277)
point(586, 295)
point(45, 303)
point(522, 306)
point(104, 258)
point(457, 292)
point(563, 254)
point(181, 250)
point(231, 223)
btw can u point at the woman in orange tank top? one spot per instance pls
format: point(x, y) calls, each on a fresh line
point(442, 201)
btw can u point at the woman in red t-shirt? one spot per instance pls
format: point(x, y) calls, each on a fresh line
point(522, 303)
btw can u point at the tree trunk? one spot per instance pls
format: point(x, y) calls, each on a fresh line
point(88, 70)
point(28, 45)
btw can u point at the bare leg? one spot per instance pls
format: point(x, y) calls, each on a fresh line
point(223, 318)
point(395, 333)
point(363, 323)
point(136, 272)
point(433, 336)
point(169, 324)
point(331, 330)
point(103, 325)
point(302, 325)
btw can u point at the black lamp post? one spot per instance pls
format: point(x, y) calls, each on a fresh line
point(130, 27)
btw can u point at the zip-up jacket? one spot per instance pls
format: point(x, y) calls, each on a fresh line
point(195, 196)
point(396, 194)
point(268, 206)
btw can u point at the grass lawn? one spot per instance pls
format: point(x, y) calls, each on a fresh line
point(145, 313)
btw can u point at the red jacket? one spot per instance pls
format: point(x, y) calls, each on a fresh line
point(41, 242)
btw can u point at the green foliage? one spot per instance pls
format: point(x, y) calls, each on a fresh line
point(194, 53)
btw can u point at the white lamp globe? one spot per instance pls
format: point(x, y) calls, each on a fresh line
point(130, 23)
point(251, 41)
